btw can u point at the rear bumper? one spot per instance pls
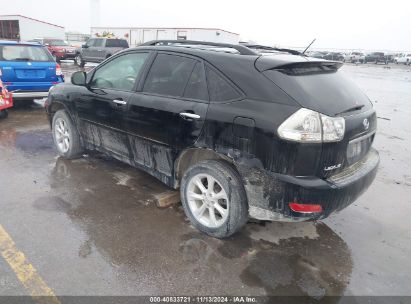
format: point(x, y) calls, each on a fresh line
point(269, 194)
point(30, 90)
point(29, 95)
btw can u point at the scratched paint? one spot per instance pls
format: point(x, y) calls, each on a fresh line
point(25, 272)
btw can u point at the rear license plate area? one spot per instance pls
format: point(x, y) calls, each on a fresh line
point(358, 148)
point(34, 73)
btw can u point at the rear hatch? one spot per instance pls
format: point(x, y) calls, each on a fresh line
point(26, 64)
point(319, 86)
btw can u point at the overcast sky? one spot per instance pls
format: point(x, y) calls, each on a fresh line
point(347, 24)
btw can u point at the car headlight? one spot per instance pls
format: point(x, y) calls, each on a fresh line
point(309, 126)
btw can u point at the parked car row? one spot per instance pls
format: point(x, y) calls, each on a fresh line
point(58, 48)
point(403, 58)
point(360, 57)
point(94, 50)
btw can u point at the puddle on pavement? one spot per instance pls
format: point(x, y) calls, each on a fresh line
point(160, 246)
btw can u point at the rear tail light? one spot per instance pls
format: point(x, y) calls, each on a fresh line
point(309, 126)
point(305, 208)
point(58, 70)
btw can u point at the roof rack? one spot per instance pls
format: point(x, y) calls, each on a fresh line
point(243, 50)
point(269, 48)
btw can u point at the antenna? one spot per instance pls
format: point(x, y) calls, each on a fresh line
point(308, 46)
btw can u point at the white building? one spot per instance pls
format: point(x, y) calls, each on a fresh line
point(138, 35)
point(17, 27)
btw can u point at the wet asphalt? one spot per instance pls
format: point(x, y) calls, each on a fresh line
point(90, 226)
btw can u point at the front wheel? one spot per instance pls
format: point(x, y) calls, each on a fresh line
point(214, 198)
point(78, 60)
point(65, 135)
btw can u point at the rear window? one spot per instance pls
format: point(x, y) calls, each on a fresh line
point(319, 87)
point(116, 43)
point(24, 53)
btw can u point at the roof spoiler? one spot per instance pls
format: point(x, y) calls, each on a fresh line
point(335, 65)
point(284, 62)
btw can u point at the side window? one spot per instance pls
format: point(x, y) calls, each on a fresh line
point(98, 42)
point(120, 73)
point(116, 43)
point(169, 75)
point(197, 85)
point(219, 89)
point(90, 42)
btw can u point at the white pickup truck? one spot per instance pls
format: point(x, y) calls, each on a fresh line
point(405, 59)
point(354, 57)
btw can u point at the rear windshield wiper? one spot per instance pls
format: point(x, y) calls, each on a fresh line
point(355, 108)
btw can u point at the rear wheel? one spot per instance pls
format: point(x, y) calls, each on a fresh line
point(65, 135)
point(214, 198)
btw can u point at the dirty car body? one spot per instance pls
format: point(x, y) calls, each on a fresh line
point(239, 110)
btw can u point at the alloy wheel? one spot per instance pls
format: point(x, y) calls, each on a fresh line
point(62, 135)
point(207, 200)
point(78, 60)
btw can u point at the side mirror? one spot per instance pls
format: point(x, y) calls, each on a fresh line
point(79, 78)
point(84, 46)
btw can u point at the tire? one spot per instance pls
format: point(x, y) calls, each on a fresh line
point(4, 113)
point(79, 61)
point(65, 135)
point(228, 193)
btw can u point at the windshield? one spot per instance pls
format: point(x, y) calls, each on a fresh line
point(57, 42)
point(24, 53)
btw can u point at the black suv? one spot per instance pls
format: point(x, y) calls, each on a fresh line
point(279, 137)
point(98, 49)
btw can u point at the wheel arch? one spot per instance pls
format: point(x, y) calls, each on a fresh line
point(191, 156)
point(57, 105)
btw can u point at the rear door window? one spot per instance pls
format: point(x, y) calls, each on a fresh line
point(169, 75)
point(220, 89)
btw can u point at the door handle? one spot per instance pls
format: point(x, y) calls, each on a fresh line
point(186, 115)
point(119, 101)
